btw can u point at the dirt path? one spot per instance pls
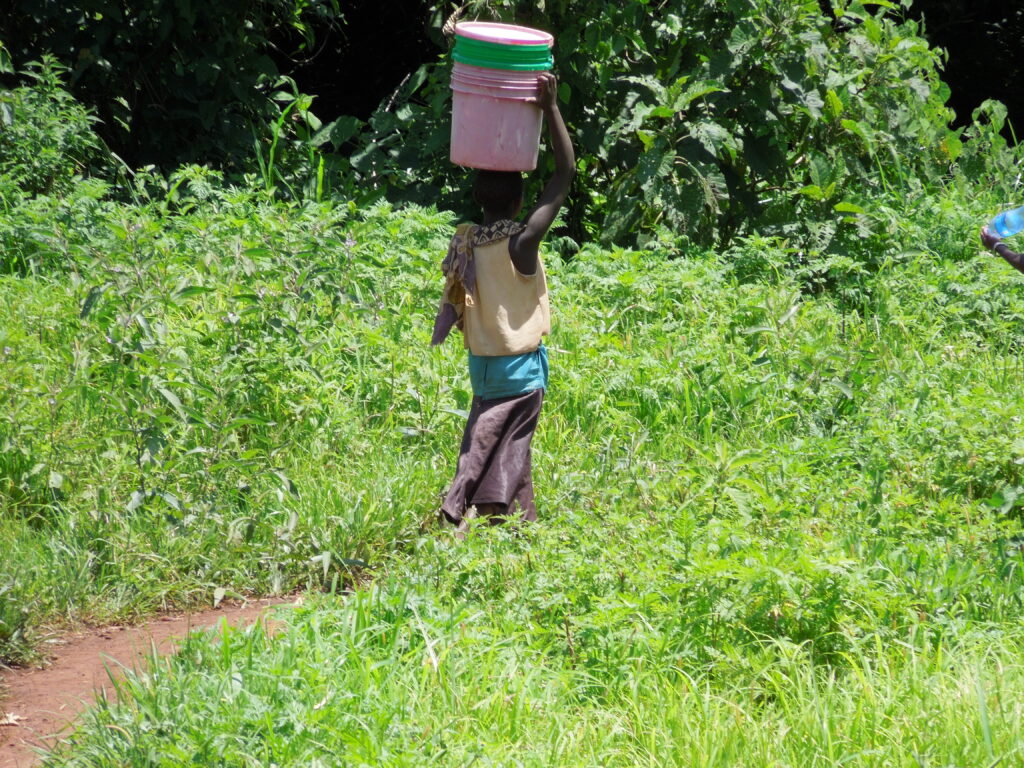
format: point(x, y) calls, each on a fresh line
point(41, 704)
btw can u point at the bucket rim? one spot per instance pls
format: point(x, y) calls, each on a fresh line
point(524, 86)
point(507, 88)
point(526, 93)
point(519, 86)
point(488, 73)
point(468, 91)
point(517, 52)
point(535, 66)
point(503, 34)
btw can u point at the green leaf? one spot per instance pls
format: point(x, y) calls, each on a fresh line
point(646, 138)
point(337, 132)
point(861, 129)
point(812, 191)
point(136, 500)
point(193, 290)
point(90, 300)
point(848, 207)
point(324, 558)
point(286, 483)
point(362, 159)
point(654, 165)
point(697, 90)
point(745, 458)
point(653, 84)
point(172, 398)
point(6, 65)
point(312, 120)
point(844, 388)
point(789, 314)
point(833, 105)
point(172, 501)
point(712, 136)
point(813, 103)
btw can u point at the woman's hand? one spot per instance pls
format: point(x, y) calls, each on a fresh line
point(547, 92)
point(988, 239)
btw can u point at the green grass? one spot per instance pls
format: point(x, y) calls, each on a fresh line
point(193, 404)
point(779, 525)
point(400, 674)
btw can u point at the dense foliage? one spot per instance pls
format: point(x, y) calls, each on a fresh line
point(781, 488)
point(982, 38)
point(695, 120)
point(772, 500)
point(172, 80)
point(46, 137)
point(699, 119)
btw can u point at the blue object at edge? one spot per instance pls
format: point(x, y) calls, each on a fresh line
point(1008, 222)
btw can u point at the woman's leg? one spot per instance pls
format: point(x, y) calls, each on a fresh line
point(494, 466)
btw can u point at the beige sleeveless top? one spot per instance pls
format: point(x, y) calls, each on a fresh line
point(508, 313)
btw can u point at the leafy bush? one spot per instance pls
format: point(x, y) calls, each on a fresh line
point(174, 81)
point(46, 137)
point(698, 120)
point(201, 316)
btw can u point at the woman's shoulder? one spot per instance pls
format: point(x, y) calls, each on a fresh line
point(499, 230)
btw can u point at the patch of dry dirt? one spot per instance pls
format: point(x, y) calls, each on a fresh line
point(41, 704)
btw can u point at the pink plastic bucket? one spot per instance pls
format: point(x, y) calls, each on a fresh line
point(494, 77)
point(494, 127)
point(500, 77)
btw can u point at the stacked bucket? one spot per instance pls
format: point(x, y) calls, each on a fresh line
point(494, 77)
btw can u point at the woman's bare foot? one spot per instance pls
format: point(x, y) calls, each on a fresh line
point(462, 529)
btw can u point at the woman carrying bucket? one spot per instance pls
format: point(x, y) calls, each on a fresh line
point(496, 294)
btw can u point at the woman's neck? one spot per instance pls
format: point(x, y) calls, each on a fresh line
point(491, 218)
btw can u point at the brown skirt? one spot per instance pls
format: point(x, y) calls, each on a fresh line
point(494, 460)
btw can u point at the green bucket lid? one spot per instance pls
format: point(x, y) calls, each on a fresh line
point(519, 57)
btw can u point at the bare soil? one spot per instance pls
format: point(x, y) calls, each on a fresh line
point(40, 704)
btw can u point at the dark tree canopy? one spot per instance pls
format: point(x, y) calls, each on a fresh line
point(172, 81)
point(176, 81)
point(353, 66)
point(983, 40)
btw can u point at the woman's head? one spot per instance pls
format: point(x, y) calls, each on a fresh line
point(499, 193)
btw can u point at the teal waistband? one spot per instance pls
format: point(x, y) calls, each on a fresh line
point(508, 375)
